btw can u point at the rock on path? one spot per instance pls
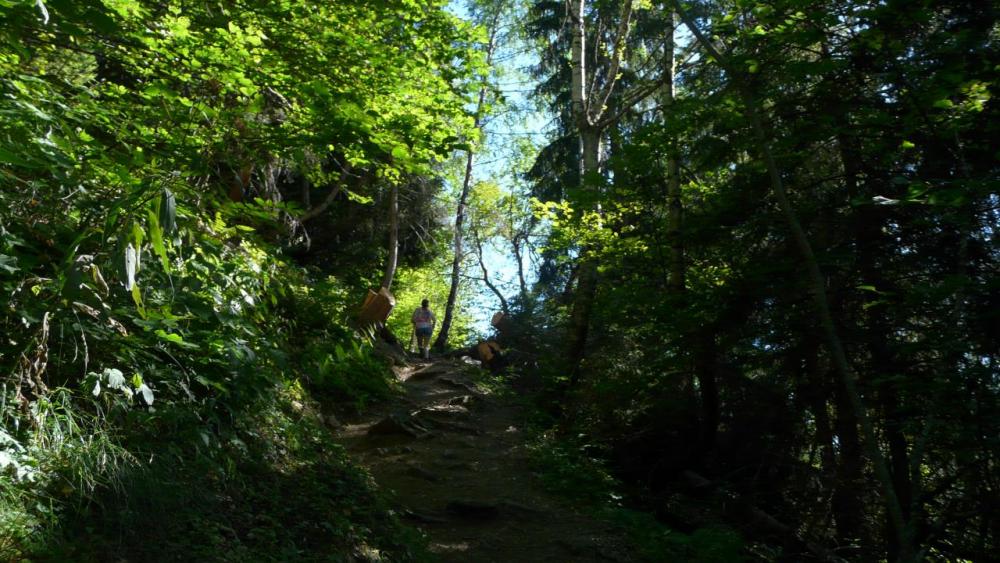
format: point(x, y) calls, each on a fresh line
point(454, 456)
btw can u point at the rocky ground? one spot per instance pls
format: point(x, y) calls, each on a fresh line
point(454, 456)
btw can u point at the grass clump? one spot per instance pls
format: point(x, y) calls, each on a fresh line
point(273, 486)
point(216, 451)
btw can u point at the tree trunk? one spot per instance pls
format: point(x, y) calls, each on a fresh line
point(706, 370)
point(675, 280)
point(816, 389)
point(848, 506)
point(586, 289)
point(868, 242)
point(390, 265)
point(590, 122)
point(578, 84)
point(583, 304)
point(456, 263)
point(319, 209)
point(522, 285)
point(704, 344)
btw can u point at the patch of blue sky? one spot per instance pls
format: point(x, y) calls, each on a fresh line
point(516, 121)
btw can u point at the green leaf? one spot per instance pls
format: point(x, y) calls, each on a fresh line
point(156, 239)
point(175, 338)
point(131, 266)
point(146, 393)
point(168, 212)
point(138, 237)
point(137, 298)
point(7, 263)
point(358, 198)
point(7, 157)
point(115, 378)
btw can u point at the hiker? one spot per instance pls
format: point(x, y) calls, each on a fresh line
point(423, 325)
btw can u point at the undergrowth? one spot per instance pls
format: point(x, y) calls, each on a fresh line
point(576, 470)
point(273, 487)
point(185, 421)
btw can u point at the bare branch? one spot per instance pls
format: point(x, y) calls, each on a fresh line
point(624, 26)
point(486, 274)
point(316, 211)
point(629, 100)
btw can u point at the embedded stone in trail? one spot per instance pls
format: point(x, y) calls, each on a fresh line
point(425, 517)
point(398, 424)
point(417, 471)
point(331, 421)
point(443, 411)
point(518, 507)
point(459, 466)
point(456, 427)
point(458, 383)
point(445, 417)
point(429, 372)
point(473, 509)
point(466, 401)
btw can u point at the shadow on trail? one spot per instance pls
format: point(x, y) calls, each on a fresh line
point(455, 457)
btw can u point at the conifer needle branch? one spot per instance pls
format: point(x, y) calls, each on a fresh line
point(818, 287)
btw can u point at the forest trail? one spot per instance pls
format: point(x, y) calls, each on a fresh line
point(454, 456)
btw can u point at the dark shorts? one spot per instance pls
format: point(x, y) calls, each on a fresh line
point(425, 331)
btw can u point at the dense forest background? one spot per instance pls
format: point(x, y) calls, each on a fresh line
point(752, 299)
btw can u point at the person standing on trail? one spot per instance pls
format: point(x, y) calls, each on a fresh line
point(423, 325)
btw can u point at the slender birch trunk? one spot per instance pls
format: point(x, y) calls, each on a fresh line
point(390, 266)
point(586, 288)
point(675, 211)
point(590, 127)
point(518, 255)
point(456, 263)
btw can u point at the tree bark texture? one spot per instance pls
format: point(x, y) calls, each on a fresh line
point(589, 113)
point(868, 242)
point(390, 265)
point(706, 370)
point(675, 211)
point(516, 245)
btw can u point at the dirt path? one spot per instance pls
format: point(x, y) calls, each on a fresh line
point(454, 455)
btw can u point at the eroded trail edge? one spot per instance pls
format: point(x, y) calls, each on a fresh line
point(454, 456)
